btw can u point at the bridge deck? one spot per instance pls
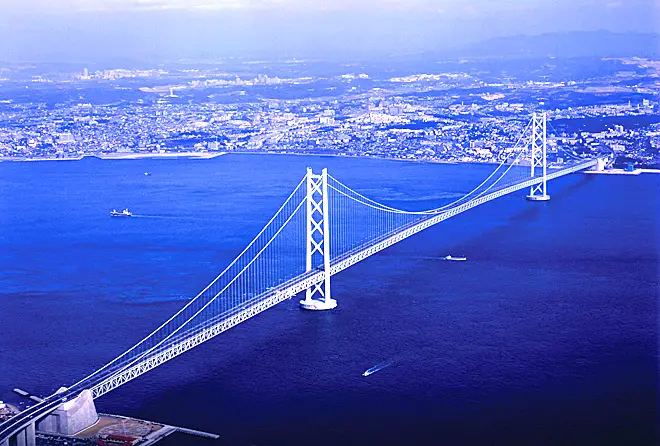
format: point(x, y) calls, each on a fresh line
point(187, 340)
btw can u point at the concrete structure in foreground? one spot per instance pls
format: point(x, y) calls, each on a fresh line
point(77, 420)
point(71, 417)
point(26, 437)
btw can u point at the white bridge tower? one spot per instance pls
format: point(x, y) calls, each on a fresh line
point(538, 142)
point(318, 242)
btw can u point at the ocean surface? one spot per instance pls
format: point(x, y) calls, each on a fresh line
point(547, 335)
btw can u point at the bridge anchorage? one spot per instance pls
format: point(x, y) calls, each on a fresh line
point(318, 242)
point(538, 151)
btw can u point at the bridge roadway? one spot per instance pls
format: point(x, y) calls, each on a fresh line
point(187, 340)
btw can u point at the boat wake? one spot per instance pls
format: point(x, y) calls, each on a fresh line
point(454, 258)
point(169, 217)
point(377, 368)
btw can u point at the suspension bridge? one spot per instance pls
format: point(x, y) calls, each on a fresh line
point(321, 229)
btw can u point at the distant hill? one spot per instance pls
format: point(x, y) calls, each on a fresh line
point(571, 44)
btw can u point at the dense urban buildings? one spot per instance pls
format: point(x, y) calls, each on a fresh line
point(463, 111)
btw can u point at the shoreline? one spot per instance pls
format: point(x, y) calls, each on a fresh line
point(622, 171)
point(207, 155)
point(339, 155)
point(125, 156)
point(211, 155)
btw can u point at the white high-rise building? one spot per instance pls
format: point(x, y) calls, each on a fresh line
point(66, 138)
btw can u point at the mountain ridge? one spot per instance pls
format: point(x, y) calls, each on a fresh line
point(567, 44)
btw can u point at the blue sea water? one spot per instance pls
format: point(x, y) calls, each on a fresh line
point(547, 335)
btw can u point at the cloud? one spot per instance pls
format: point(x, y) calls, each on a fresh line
point(67, 6)
point(171, 29)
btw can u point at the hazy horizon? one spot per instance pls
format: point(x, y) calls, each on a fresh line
point(159, 30)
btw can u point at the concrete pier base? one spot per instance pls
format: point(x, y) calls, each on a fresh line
point(537, 197)
point(318, 305)
point(30, 438)
point(71, 417)
point(26, 437)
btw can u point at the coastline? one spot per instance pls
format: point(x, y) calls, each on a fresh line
point(211, 155)
point(622, 171)
point(208, 155)
point(341, 155)
point(132, 156)
point(125, 156)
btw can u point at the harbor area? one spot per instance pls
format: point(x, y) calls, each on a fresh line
point(117, 430)
point(7, 411)
point(106, 430)
point(114, 429)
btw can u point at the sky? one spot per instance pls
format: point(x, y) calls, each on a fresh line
point(161, 30)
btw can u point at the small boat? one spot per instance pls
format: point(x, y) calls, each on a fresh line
point(377, 368)
point(146, 174)
point(454, 259)
point(124, 213)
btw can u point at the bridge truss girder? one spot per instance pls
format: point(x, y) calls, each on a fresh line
point(306, 281)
